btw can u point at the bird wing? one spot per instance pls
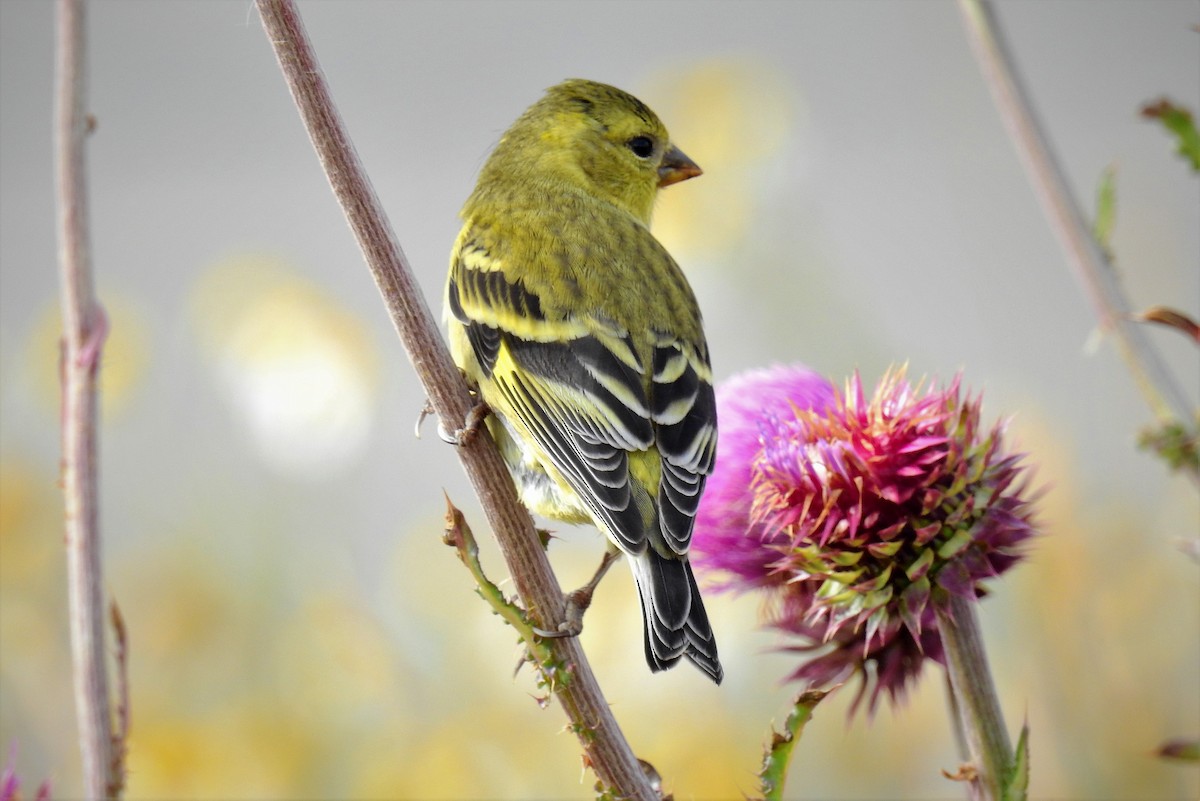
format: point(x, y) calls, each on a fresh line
point(578, 387)
point(684, 410)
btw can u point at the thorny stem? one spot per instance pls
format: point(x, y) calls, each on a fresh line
point(1087, 258)
point(975, 699)
point(773, 775)
point(458, 534)
point(604, 745)
point(84, 328)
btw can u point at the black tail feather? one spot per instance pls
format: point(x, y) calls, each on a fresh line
point(676, 625)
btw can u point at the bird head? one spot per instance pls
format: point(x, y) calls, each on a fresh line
point(597, 138)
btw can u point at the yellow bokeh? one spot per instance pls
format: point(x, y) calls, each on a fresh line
point(732, 117)
point(298, 369)
point(31, 528)
point(334, 655)
point(17, 498)
point(246, 749)
point(257, 308)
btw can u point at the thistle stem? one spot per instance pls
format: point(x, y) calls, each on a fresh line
point(84, 328)
point(960, 734)
point(605, 747)
point(1085, 255)
point(975, 697)
point(773, 775)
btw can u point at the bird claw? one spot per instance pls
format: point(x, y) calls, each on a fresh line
point(426, 410)
point(459, 436)
point(448, 437)
point(577, 602)
point(568, 628)
point(465, 435)
point(573, 618)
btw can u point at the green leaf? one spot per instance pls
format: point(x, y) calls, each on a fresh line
point(1175, 443)
point(1016, 784)
point(778, 753)
point(1106, 208)
point(1178, 120)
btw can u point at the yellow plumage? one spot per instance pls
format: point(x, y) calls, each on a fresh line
point(585, 341)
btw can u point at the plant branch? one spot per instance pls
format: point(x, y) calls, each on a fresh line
point(975, 698)
point(604, 745)
point(84, 329)
point(458, 535)
point(960, 734)
point(1087, 258)
point(777, 756)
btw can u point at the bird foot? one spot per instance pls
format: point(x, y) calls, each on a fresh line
point(460, 436)
point(426, 410)
point(471, 425)
point(578, 601)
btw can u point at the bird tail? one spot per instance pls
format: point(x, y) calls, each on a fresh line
point(673, 615)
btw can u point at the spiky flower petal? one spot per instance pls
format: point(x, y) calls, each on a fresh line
point(856, 515)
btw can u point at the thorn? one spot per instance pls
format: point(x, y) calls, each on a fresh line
point(966, 773)
point(520, 664)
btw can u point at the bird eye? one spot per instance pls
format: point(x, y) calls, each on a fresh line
point(642, 146)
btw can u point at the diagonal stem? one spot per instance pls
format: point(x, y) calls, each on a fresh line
point(84, 327)
point(1087, 258)
point(605, 747)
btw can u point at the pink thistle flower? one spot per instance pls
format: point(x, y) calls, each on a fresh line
point(747, 402)
point(10, 784)
point(856, 517)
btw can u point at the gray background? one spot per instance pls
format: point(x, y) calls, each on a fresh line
point(884, 218)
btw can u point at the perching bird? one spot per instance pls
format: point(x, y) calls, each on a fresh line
point(585, 342)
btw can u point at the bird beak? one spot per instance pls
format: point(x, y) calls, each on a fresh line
point(676, 167)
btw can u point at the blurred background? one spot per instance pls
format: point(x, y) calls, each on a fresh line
point(272, 528)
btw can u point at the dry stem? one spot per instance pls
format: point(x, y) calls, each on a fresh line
point(1087, 258)
point(605, 747)
point(84, 328)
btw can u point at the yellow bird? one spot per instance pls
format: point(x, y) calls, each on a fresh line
point(585, 341)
